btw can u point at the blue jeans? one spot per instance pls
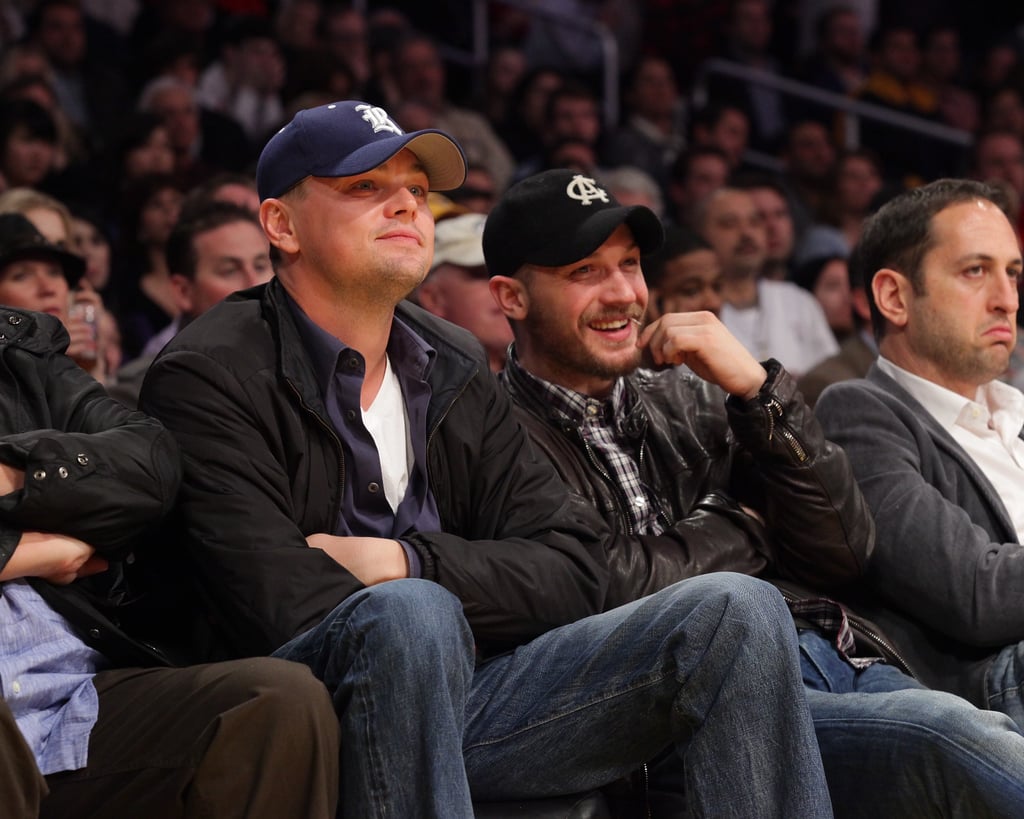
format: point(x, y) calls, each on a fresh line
point(894, 748)
point(1004, 682)
point(708, 666)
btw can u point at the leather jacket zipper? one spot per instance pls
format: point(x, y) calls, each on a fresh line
point(774, 412)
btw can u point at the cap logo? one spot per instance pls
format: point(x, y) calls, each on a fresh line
point(379, 119)
point(585, 190)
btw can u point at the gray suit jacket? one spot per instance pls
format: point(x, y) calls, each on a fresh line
point(946, 580)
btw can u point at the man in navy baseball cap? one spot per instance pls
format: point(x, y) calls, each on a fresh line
point(347, 138)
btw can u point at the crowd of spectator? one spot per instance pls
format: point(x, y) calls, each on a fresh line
point(123, 112)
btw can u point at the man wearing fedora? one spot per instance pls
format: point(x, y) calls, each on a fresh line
point(357, 497)
point(93, 720)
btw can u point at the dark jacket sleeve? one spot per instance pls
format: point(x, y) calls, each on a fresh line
point(521, 550)
point(937, 557)
point(238, 506)
point(802, 484)
point(93, 469)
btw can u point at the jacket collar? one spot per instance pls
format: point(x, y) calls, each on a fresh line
point(452, 369)
point(945, 442)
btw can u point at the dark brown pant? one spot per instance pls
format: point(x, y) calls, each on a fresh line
point(249, 738)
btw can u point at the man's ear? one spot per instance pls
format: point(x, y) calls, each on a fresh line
point(893, 294)
point(431, 297)
point(181, 289)
point(277, 224)
point(511, 296)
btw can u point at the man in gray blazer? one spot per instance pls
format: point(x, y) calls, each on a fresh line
point(935, 439)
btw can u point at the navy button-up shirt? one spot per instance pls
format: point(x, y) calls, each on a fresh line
point(340, 371)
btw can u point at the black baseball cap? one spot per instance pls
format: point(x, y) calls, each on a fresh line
point(558, 217)
point(351, 137)
point(20, 239)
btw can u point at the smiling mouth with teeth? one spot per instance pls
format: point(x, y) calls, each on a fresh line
point(617, 324)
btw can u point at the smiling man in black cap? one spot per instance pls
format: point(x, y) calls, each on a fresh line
point(357, 497)
point(728, 471)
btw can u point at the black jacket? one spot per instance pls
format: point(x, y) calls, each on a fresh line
point(702, 456)
point(263, 471)
point(93, 470)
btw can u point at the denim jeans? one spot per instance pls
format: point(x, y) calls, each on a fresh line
point(1004, 682)
point(708, 666)
point(894, 748)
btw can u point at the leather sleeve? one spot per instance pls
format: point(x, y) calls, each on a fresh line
point(94, 470)
point(802, 483)
point(527, 554)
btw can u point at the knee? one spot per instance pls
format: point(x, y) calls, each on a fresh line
point(736, 597)
point(406, 614)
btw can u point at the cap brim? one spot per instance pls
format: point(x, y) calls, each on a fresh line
point(645, 225)
point(441, 157)
point(71, 265)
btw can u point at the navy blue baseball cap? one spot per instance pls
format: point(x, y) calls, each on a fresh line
point(347, 138)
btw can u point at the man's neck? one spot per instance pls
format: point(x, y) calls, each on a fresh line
point(362, 326)
point(740, 291)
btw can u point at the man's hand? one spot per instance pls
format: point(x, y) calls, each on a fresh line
point(371, 559)
point(702, 343)
point(57, 558)
point(11, 479)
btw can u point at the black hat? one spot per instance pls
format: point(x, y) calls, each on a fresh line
point(558, 217)
point(19, 239)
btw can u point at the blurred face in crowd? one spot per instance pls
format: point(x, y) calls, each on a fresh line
point(35, 284)
point(810, 154)
point(1001, 157)
point(27, 159)
point(780, 232)
point(832, 290)
point(231, 257)
point(89, 243)
point(420, 72)
point(654, 91)
point(575, 118)
point(159, 213)
point(155, 155)
point(733, 225)
point(259, 63)
point(62, 35)
point(689, 282)
point(858, 181)
point(462, 295)
point(181, 116)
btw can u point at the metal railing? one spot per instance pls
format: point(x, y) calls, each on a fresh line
point(855, 110)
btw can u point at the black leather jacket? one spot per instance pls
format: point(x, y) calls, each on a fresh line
point(263, 471)
point(703, 456)
point(93, 470)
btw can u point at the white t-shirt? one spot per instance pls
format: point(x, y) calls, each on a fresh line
point(787, 323)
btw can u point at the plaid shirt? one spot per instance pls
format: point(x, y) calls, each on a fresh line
point(599, 423)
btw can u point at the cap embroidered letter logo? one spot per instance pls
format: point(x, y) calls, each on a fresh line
point(584, 190)
point(379, 119)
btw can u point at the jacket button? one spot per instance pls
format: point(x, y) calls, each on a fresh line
point(82, 458)
point(39, 474)
point(14, 320)
point(63, 471)
point(374, 487)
